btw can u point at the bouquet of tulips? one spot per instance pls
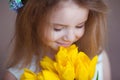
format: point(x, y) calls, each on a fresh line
point(69, 64)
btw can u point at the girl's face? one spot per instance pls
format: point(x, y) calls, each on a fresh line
point(67, 26)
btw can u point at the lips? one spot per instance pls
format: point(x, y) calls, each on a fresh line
point(63, 44)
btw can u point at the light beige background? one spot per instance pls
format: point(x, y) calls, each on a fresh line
point(7, 18)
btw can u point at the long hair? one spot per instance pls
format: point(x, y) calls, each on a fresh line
point(94, 38)
point(32, 20)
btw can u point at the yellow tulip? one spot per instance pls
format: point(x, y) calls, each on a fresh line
point(28, 75)
point(44, 75)
point(93, 66)
point(47, 63)
point(65, 72)
point(69, 64)
point(72, 53)
point(40, 76)
point(49, 75)
point(85, 68)
point(64, 65)
point(67, 54)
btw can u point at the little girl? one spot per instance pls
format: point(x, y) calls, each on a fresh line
point(44, 25)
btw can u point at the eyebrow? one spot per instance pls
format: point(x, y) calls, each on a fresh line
point(67, 25)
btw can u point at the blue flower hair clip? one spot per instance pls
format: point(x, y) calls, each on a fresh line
point(15, 4)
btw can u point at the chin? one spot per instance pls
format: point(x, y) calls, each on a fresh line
point(56, 48)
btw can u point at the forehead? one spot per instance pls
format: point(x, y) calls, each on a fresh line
point(69, 13)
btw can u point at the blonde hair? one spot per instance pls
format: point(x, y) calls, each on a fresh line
point(31, 23)
point(94, 38)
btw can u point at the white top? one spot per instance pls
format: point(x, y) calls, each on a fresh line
point(17, 73)
point(99, 69)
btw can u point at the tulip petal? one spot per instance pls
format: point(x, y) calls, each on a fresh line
point(28, 75)
point(48, 75)
point(93, 66)
point(47, 63)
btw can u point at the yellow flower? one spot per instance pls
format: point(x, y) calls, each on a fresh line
point(40, 76)
point(69, 64)
point(49, 75)
point(84, 67)
point(47, 63)
point(64, 63)
point(69, 52)
point(44, 75)
point(65, 72)
point(28, 75)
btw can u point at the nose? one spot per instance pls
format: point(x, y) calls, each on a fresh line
point(69, 36)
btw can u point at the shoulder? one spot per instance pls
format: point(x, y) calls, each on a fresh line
point(99, 68)
point(17, 71)
point(106, 66)
point(9, 76)
point(103, 67)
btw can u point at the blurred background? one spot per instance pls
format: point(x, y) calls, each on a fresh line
point(7, 19)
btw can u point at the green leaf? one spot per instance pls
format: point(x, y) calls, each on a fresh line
point(97, 75)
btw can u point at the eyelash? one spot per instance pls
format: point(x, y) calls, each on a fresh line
point(80, 26)
point(56, 29)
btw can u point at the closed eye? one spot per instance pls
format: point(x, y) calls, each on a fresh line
point(57, 29)
point(80, 26)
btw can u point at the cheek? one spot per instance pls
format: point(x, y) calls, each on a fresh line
point(56, 35)
point(80, 33)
